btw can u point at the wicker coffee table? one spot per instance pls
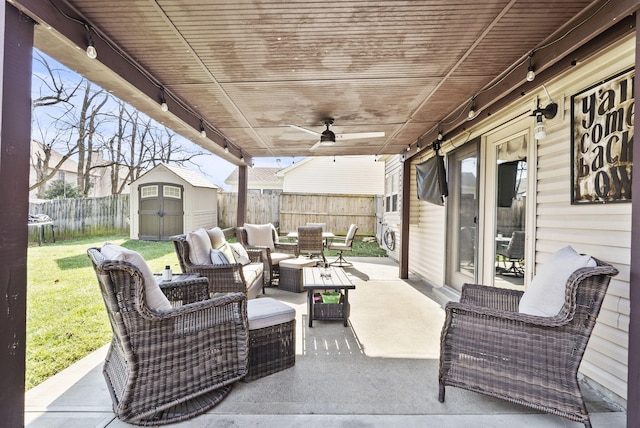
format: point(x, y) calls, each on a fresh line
point(314, 280)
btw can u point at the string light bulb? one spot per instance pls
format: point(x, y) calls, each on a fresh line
point(91, 49)
point(203, 132)
point(226, 147)
point(531, 74)
point(163, 102)
point(472, 110)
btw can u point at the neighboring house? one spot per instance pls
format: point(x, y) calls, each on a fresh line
point(100, 177)
point(261, 180)
point(357, 175)
point(570, 185)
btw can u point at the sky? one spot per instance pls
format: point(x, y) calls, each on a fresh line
point(214, 168)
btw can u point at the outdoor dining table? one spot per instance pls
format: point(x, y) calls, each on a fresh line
point(325, 235)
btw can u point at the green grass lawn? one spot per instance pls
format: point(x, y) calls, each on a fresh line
point(66, 318)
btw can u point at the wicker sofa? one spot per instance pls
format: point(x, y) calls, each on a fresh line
point(235, 276)
point(159, 366)
point(490, 346)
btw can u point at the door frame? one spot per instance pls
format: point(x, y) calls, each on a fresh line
point(486, 223)
point(453, 278)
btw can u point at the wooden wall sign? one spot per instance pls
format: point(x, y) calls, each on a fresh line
point(602, 141)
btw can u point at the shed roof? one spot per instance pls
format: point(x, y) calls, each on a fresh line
point(189, 176)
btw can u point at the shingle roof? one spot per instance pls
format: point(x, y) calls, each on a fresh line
point(256, 175)
point(191, 177)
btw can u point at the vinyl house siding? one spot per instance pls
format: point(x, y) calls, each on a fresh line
point(427, 227)
point(392, 219)
point(347, 175)
point(601, 230)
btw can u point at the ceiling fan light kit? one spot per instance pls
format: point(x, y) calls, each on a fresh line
point(328, 137)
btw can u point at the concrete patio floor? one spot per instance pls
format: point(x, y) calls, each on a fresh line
point(381, 371)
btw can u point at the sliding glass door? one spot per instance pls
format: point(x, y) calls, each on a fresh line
point(462, 216)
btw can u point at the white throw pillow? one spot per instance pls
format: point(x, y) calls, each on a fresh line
point(218, 258)
point(545, 295)
point(155, 298)
point(216, 235)
point(240, 253)
point(199, 247)
point(260, 235)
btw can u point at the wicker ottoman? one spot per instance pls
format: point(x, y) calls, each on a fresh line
point(291, 273)
point(272, 337)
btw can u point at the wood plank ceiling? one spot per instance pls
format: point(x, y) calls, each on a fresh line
point(250, 68)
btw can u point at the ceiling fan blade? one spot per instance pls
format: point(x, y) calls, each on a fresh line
point(315, 146)
point(357, 135)
point(305, 130)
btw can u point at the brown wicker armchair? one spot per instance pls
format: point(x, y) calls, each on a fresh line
point(487, 346)
point(166, 366)
point(281, 251)
point(222, 278)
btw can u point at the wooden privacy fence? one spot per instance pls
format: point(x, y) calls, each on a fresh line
point(261, 209)
point(337, 211)
point(74, 217)
point(110, 214)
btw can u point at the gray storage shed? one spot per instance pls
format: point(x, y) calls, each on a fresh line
point(169, 200)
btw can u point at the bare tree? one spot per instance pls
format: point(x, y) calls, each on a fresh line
point(88, 121)
point(54, 94)
point(83, 122)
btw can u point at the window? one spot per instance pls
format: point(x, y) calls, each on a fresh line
point(149, 191)
point(391, 193)
point(172, 192)
point(271, 191)
point(61, 175)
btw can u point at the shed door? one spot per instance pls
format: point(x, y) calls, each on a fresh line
point(161, 211)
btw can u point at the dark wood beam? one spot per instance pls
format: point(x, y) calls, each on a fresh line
point(15, 138)
point(71, 33)
point(633, 364)
point(404, 223)
point(243, 187)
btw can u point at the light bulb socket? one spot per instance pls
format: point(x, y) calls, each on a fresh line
point(226, 148)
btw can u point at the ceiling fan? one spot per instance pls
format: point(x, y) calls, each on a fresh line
point(328, 137)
